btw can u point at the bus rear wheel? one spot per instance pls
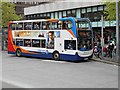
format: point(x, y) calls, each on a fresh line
point(18, 52)
point(56, 56)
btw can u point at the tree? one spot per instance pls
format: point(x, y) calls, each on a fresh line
point(110, 11)
point(8, 13)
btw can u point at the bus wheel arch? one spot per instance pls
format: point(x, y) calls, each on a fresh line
point(18, 52)
point(56, 55)
point(90, 57)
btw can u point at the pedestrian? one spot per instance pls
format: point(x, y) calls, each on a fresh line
point(105, 51)
point(96, 51)
point(110, 49)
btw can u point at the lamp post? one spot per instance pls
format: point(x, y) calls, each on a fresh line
point(102, 38)
point(117, 31)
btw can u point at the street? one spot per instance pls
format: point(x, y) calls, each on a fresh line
point(26, 72)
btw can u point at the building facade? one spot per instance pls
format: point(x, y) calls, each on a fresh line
point(19, 7)
point(91, 10)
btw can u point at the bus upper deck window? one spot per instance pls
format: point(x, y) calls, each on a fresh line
point(28, 26)
point(55, 25)
point(67, 24)
point(36, 25)
point(12, 26)
point(19, 26)
point(45, 25)
point(60, 25)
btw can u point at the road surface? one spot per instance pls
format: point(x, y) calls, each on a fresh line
point(26, 72)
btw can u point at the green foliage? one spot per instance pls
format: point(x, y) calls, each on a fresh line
point(110, 10)
point(8, 13)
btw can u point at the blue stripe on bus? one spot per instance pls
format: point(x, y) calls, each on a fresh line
point(39, 55)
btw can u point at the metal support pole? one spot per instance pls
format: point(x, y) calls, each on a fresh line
point(102, 38)
point(117, 31)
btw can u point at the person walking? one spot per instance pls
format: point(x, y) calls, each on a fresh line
point(110, 49)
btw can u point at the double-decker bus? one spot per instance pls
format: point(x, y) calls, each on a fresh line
point(66, 38)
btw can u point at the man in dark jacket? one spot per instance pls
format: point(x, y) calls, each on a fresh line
point(110, 49)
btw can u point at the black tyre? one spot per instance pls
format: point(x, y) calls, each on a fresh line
point(18, 52)
point(56, 56)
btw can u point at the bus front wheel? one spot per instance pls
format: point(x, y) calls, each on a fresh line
point(18, 52)
point(90, 57)
point(56, 55)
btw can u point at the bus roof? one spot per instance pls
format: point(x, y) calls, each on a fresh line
point(38, 20)
point(29, 20)
point(71, 18)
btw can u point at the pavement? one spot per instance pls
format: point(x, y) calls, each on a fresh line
point(107, 60)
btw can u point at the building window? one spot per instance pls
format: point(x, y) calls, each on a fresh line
point(104, 7)
point(41, 15)
point(48, 15)
point(94, 9)
point(68, 12)
point(44, 14)
point(88, 9)
point(93, 16)
point(38, 16)
point(31, 17)
point(52, 15)
point(56, 14)
point(28, 17)
point(100, 8)
point(83, 10)
point(60, 14)
point(35, 2)
point(64, 13)
point(78, 13)
point(73, 13)
point(35, 16)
